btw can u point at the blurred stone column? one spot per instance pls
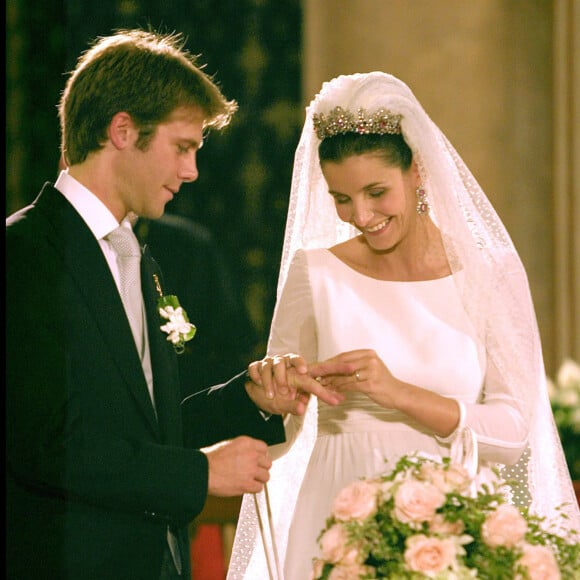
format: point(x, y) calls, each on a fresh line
point(567, 177)
point(483, 71)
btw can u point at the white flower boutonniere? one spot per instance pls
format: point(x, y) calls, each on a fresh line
point(174, 318)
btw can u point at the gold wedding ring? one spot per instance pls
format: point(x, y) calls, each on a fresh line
point(357, 375)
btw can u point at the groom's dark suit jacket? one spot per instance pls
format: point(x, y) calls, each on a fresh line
point(94, 477)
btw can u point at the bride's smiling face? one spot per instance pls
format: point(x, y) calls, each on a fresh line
point(377, 198)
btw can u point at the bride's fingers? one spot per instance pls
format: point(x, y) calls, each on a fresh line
point(339, 382)
point(331, 367)
point(306, 386)
point(353, 356)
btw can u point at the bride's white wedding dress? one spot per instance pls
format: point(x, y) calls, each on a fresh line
point(422, 333)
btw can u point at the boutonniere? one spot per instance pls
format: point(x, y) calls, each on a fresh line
point(174, 319)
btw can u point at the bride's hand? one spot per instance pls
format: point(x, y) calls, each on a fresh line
point(369, 375)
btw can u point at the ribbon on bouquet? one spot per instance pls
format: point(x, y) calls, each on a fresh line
point(268, 536)
point(464, 451)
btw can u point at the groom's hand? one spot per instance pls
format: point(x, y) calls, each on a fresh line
point(284, 383)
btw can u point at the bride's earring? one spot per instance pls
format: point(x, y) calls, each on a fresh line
point(422, 203)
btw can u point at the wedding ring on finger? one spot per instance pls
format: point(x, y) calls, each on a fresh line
point(357, 376)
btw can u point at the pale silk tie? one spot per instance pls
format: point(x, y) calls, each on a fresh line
point(129, 261)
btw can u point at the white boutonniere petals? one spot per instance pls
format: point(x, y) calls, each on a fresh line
point(175, 322)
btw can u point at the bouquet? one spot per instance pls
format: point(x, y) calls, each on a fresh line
point(422, 521)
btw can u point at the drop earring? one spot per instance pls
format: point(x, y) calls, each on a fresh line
point(422, 203)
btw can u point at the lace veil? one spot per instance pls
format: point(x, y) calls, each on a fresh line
point(495, 295)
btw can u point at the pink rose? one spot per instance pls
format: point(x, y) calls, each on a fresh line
point(504, 527)
point(429, 555)
point(417, 501)
point(453, 479)
point(427, 471)
point(334, 548)
point(317, 569)
point(439, 525)
point(457, 478)
point(356, 501)
point(540, 563)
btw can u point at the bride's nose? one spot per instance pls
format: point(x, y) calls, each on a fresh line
point(361, 214)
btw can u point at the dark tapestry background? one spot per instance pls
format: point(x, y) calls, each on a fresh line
point(253, 47)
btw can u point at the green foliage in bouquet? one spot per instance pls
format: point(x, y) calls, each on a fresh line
point(425, 520)
point(565, 400)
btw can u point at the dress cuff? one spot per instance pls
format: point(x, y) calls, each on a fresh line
point(451, 437)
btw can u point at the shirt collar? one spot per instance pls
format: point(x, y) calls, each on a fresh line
point(93, 211)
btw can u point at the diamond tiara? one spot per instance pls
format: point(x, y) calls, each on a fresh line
point(340, 121)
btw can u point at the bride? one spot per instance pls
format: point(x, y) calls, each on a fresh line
point(394, 260)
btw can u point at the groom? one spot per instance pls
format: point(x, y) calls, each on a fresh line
point(105, 465)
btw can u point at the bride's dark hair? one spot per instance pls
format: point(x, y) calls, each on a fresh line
point(392, 148)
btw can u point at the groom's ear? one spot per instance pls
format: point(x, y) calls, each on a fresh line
point(122, 131)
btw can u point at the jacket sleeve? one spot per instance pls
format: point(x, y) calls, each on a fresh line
point(226, 411)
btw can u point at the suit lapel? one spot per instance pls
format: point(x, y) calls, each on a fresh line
point(165, 371)
point(91, 274)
